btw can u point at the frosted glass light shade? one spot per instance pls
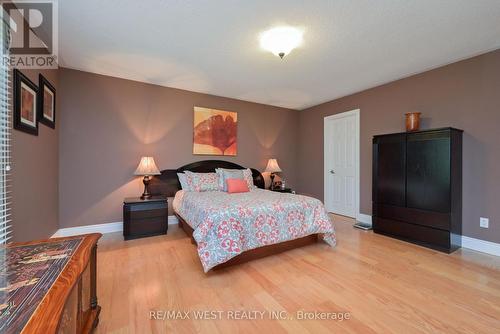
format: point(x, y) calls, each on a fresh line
point(281, 40)
point(147, 166)
point(272, 166)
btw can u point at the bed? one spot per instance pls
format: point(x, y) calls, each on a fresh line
point(234, 228)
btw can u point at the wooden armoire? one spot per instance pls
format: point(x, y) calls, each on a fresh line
point(417, 187)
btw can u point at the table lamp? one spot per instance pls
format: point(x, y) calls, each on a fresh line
point(146, 168)
point(272, 167)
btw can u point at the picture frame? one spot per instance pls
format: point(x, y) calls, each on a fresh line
point(46, 102)
point(25, 104)
point(215, 132)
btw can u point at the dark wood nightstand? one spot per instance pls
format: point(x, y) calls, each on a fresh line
point(144, 218)
point(286, 190)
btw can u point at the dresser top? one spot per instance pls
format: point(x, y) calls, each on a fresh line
point(421, 131)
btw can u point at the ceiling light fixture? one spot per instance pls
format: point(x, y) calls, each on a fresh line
point(281, 40)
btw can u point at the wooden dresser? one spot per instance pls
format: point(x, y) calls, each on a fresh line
point(49, 286)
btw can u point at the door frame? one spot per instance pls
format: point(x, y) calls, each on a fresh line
point(357, 114)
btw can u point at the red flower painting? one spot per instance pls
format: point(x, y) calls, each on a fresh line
point(215, 132)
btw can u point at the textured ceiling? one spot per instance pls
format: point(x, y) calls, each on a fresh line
point(212, 46)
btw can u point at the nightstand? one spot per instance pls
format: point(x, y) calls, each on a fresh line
point(144, 218)
point(286, 190)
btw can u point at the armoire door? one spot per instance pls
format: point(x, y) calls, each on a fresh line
point(428, 171)
point(389, 170)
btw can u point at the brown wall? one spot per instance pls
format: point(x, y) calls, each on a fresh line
point(35, 175)
point(465, 95)
point(109, 123)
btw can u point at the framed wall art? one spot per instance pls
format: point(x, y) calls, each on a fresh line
point(47, 102)
point(25, 104)
point(215, 132)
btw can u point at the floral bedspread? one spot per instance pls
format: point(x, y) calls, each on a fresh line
point(226, 225)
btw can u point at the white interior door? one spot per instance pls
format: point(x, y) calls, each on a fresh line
point(341, 174)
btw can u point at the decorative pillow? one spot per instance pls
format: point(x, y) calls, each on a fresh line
point(225, 174)
point(220, 178)
point(237, 186)
point(202, 181)
point(183, 181)
point(247, 175)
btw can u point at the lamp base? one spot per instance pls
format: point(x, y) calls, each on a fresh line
point(272, 181)
point(146, 194)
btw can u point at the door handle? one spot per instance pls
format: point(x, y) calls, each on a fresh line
point(331, 171)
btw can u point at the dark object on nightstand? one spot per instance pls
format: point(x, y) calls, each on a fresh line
point(144, 218)
point(417, 187)
point(279, 190)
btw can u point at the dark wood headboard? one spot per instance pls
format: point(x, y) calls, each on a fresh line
point(168, 183)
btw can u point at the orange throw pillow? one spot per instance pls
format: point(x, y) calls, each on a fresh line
point(237, 186)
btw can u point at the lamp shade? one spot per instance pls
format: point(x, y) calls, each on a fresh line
point(281, 40)
point(272, 166)
point(147, 166)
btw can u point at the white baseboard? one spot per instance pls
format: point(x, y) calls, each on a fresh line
point(367, 219)
point(479, 245)
point(467, 242)
point(172, 220)
point(99, 228)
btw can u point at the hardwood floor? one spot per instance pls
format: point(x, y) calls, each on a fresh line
point(385, 285)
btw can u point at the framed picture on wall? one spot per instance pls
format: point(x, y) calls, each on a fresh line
point(215, 132)
point(47, 102)
point(25, 104)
